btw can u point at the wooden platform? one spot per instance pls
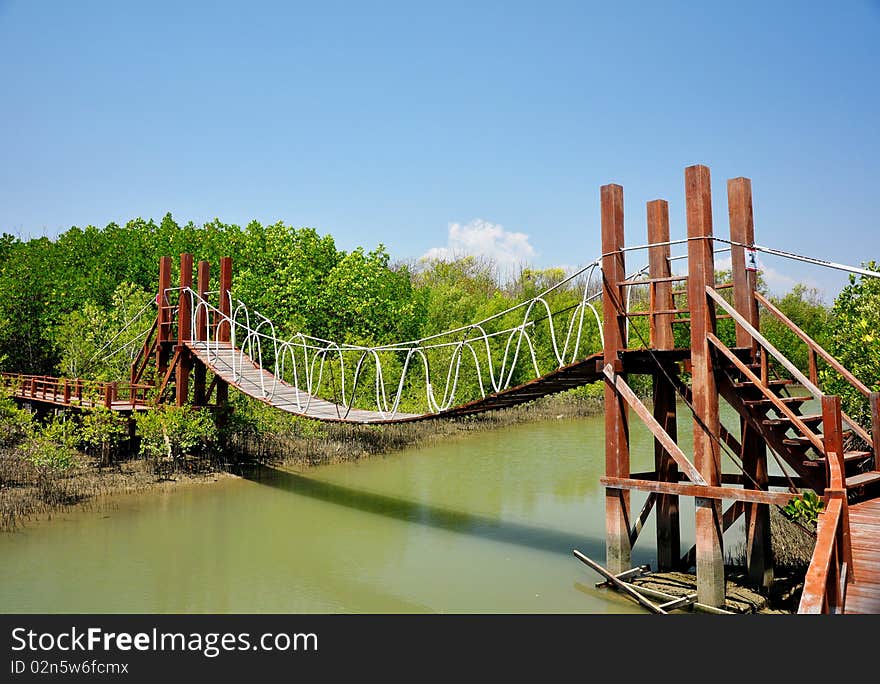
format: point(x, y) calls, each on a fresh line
point(864, 595)
point(236, 368)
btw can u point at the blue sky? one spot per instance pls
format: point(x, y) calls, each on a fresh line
point(403, 123)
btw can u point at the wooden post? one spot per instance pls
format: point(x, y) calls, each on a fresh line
point(223, 329)
point(184, 321)
point(707, 457)
point(668, 530)
point(759, 549)
point(163, 328)
point(200, 372)
point(618, 550)
point(875, 426)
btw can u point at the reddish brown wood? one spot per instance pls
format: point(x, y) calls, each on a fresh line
point(617, 546)
point(184, 320)
point(199, 371)
point(753, 452)
point(874, 399)
point(667, 515)
point(701, 274)
point(742, 230)
point(715, 493)
point(815, 346)
point(666, 441)
point(224, 331)
point(163, 332)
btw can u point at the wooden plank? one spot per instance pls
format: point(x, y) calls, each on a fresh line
point(617, 458)
point(620, 586)
point(624, 390)
point(697, 490)
point(742, 230)
point(643, 516)
point(707, 456)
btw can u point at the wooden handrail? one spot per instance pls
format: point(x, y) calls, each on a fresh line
point(815, 440)
point(818, 596)
point(830, 568)
point(760, 339)
point(814, 346)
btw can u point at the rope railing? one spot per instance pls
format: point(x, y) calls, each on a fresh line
point(305, 362)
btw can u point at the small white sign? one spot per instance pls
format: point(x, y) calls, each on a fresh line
point(751, 260)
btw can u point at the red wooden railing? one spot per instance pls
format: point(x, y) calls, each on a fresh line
point(831, 568)
point(814, 350)
point(76, 392)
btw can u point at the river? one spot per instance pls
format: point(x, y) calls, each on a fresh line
point(484, 522)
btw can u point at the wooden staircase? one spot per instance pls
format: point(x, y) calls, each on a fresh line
point(770, 407)
point(784, 436)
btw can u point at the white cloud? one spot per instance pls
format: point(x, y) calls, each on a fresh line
point(508, 250)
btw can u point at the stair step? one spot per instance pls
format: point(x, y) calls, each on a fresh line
point(862, 479)
point(800, 440)
point(791, 401)
point(770, 383)
point(785, 420)
point(848, 457)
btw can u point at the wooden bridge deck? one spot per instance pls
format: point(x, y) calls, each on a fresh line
point(863, 596)
point(252, 380)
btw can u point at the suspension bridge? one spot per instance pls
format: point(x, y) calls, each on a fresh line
point(601, 323)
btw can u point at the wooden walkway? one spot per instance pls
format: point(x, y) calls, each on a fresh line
point(256, 382)
point(863, 596)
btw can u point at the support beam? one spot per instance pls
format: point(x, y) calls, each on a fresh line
point(707, 457)
point(200, 372)
point(753, 452)
point(223, 329)
point(669, 445)
point(184, 321)
point(705, 492)
point(618, 552)
point(163, 328)
point(667, 517)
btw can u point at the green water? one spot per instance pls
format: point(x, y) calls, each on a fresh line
point(484, 522)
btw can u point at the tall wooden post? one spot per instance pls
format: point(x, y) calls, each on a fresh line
point(707, 457)
point(759, 549)
point(668, 530)
point(223, 328)
point(618, 550)
point(184, 321)
point(163, 328)
point(200, 372)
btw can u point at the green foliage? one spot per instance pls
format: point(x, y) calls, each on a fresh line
point(102, 431)
point(804, 307)
point(805, 510)
point(171, 433)
point(853, 338)
point(15, 423)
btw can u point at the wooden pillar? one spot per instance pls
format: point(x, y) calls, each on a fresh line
point(707, 457)
point(668, 529)
point(223, 328)
point(759, 549)
point(618, 551)
point(184, 320)
point(200, 372)
point(163, 329)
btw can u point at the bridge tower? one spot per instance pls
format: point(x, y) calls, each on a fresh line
point(674, 474)
point(169, 348)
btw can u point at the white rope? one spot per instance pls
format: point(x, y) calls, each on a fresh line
point(302, 359)
point(122, 330)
